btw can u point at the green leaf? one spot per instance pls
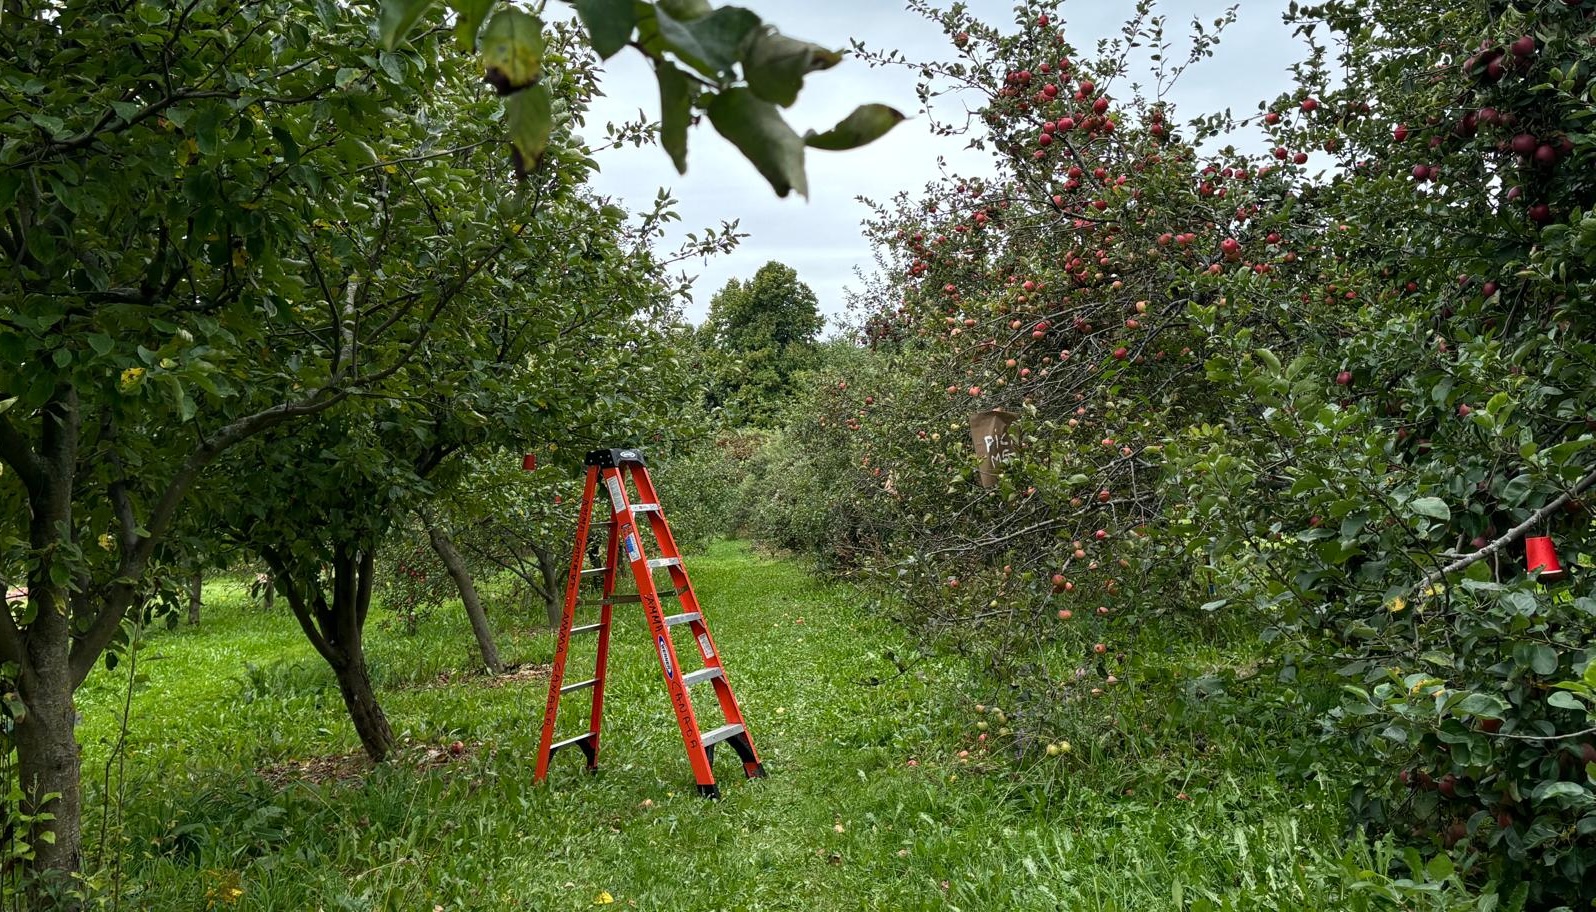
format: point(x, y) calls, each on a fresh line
point(675, 112)
point(397, 18)
point(512, 50)
point(1486, 706)
point(1562, 699)
point(609, 24)
point(468, 21)
point(1544, 661)
point(1433, 507)
point(6, 404)
point(710, 44)
point(685, 9)
point(775, 65)
point(757, 130)
point(865, 125)
point(529, 114)
point(1558, 791)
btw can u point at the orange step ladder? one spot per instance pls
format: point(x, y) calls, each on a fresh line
point(610, 470)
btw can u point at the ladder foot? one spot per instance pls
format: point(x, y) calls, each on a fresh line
point(710, 791)
point(754, 770)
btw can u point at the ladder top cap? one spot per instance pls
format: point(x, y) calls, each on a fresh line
point(613, 458)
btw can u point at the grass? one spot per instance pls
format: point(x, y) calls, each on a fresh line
point(844, 822)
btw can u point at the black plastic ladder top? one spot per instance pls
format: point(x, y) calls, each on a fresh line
point(614, 458)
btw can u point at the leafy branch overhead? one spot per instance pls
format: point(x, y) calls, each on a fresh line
point(725, 62)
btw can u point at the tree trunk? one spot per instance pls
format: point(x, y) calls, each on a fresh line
point(196, 589)
point(48, 760)
point(354, 683)
point(468, 596)
point(553, 584)
point(335, 628)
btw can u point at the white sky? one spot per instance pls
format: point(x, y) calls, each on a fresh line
point(821, 238)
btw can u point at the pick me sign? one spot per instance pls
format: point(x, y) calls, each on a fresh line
point(989, 434)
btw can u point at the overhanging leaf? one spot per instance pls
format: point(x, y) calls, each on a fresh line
point(512, 50)
point(397, 18)
point(468, 21)
point(776, 65)
point(865, 125)
point(685, 9)
point(675, 111)
point(609, 23)
point(757, 130)
point(529, 114)
point(710, 44)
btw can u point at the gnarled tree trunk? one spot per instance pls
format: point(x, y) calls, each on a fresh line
point(458, 571)
point(336, 628)
point(48, 759)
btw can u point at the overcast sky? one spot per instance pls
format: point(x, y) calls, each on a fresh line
point(821, 238)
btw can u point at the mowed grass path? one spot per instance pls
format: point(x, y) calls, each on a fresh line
point(845, 820)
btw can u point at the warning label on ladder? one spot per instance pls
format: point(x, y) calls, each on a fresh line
point(665, 658)
point(617, 493)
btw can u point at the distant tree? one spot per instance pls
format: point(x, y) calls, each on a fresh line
point(768, 325)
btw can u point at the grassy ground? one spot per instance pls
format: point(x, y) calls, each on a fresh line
point(868, 805)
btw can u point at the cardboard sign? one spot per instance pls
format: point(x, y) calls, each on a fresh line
point(989, 434)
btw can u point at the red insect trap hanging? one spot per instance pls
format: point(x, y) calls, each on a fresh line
point(529, 462)
point(1540, 554)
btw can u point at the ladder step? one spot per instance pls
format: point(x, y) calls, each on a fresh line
point(570, 741)
point(596, 571)
point(688, 618)
point(720, 734)
point(645, 508)
point(702, 675)
point(659, 562)
point(579, 685)
point(613, 600)
point(585, 628)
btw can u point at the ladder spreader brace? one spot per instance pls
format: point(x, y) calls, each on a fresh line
point(611, 469)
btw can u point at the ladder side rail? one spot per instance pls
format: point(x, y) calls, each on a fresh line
point(664, 648)
point(679, 578)
point(708, 651)
point(573, 585)
point(602, 661)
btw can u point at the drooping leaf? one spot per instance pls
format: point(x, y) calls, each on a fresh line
point(512, 50)
point(397, 18)
point(757, 130)
point(609, 23)
point(685, 9)
point(865, 125)
point(675, 111)
point(710, 44)
point(529, 115)
point(775, 65)
point(468, 21)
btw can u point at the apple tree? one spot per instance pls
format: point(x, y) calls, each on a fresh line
point(1380, 493)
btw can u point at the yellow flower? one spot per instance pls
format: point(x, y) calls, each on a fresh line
point(603, 899)
point(1396, 604)
point(131, 378)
